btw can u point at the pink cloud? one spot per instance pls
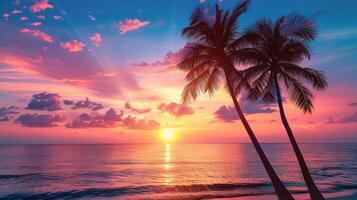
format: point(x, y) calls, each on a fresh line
point(16, 11)
point(36, 23)
point(14, 60)
point(6, 15)
point(56, 17)
point(112, 119)
point(170, 60)
point(38, 34)
point(131, 24)
point(41, 5)
point(41, 17)
point(175, 109)
point(96, 39)
point(24, 18)
point(132, 123)
point(91, 17)
point(80, 70)
point(73, 46)
point(202, 1)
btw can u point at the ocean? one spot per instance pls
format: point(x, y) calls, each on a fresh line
point(170, 171)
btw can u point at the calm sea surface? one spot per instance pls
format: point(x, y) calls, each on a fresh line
point(177, 171)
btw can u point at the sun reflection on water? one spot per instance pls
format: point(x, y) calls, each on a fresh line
point(167, 165)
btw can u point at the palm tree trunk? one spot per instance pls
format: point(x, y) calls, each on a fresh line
point(280, 189)
point(313, 190)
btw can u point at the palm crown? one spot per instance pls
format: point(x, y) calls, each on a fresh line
point(209, 51)
point(276, 49)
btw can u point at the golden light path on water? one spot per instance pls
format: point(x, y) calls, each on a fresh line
point(167, 164)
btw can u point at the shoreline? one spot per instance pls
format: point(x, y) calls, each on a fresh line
point(342, 195)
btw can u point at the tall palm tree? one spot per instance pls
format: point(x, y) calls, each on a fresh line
point(276, 50)
point(208, 60)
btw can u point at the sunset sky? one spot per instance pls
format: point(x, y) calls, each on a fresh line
point(104, 72)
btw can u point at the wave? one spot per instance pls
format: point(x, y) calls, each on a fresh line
point(168, 192)
point(142, 190)
point(32, 176)
point(14, 176)
point(345, 186)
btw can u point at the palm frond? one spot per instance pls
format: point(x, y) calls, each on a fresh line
point(247, 56)
point(265, 27)
point(254, 71)
point(260, 85)
point(299, 27)
point(301, 96)
point(239, 81)
point(269, 92)
point(218, 20)
point(248, 39)
point(280, 46)
point(238, 10)
point(316, 78)
point(295, 51)
point(194, 54)
point(188, 63)
point(195, 87)
point(198, 33)
point(207, 56)
point(213, 82)
point(198, 69)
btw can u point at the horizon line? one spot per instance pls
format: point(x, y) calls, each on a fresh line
point(169, 143)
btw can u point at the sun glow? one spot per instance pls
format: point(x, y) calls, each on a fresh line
point(168, 135)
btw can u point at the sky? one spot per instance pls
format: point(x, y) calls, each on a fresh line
point(104, 72)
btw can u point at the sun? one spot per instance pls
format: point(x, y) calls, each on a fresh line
point(167, 135)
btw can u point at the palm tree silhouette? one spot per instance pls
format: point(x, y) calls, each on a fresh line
point(208, 59)
point(275, 50)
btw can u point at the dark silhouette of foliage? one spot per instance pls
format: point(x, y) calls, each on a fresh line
point(275, 50)
point(209, 59)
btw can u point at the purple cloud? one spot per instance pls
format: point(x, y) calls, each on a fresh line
point(136, 110)
point(353, 104)
point(6, 112)
point(350, 118)
point(68, 102)
point(110, 119)
point(229, 113)
point(36, 120)
point(45, 101)
point(87, 104)
point(226, 114)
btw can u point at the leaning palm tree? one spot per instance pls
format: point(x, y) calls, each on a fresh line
point(276, 50)
point(208, 60)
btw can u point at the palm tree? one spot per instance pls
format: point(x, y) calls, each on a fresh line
point(208, 60)
point(276, 50)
